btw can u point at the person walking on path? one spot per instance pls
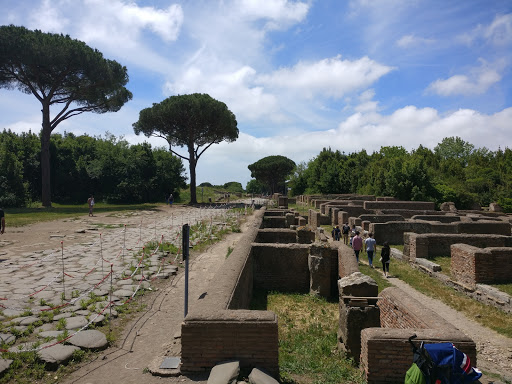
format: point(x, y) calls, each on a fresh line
point(90, 203)
point(369, 244)
point(336, 233)
point(357, 245)
point(171, 199)
point(2, 221)
point(344, 231)
point(385, 258)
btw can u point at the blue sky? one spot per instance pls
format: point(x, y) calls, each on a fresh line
point(299, 75)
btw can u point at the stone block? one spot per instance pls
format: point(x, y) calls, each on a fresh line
point(357, 284)
point(225, 373)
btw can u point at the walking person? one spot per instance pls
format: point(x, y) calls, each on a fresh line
point(171, 199)
point(2, 221)
point(369, 244)
point(357, 245)
point(90, 203)
point(385, 258)
point(344, 231)
point(337, 233)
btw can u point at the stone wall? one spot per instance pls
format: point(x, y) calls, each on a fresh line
point(471, 265)
point(381, 218)
point(276, 235)
point(393, 231)
point(430, 245)
point(221, 327)
point(440, 218)
point(386, 353)
point(409, 205)
point(281, 267)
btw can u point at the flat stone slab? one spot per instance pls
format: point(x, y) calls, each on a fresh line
point(50, 334)
point(76, 322)
point(123, 293)
point(12, 312)
point(259, 377)
point(57, 354)
point(29, 320)
point(224, 373)
point(90, 339)
point(4, 365)
point(7, 338)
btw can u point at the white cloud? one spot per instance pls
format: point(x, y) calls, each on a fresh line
point(411, 41)
point(48, 17)
point(329, 77)
point(280, 13)
point(498, 32)
point(477, 83)
point(117, 20)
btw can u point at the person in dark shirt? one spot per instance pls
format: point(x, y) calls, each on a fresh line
point(2, 221)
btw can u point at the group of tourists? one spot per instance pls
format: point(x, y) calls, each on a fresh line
point(352, 238)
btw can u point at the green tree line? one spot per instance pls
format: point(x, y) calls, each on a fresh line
point(454, 171)
point(108, 167)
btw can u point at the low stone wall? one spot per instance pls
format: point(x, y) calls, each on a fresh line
point(276, 235)
point(471, 265)
point(316, 219)
point(386, 353)
point(281, 267)
point(407, 213)
point(355, 211)
point(381, 218)
point(440, 218)
point(430, 245)
point(393, 231)
point(222, 327)
point(409, 205)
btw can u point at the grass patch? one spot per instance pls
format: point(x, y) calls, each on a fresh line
point(375, 274)
point(486, 315)
point(307, 339)
point(446, 264)
point(17, 217)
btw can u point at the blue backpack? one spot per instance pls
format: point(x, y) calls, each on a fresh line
point(443, 363)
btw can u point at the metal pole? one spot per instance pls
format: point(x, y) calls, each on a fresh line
point(124, 240)
point(63, 274)
point(110, 298)
point(186, 234)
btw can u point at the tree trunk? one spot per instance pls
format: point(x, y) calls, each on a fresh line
point(46, 193)
point(192, 163)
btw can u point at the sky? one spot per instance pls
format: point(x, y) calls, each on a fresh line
point(299, 75)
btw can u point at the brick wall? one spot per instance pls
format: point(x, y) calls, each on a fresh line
point(281, 267)
point(386, 354)
point(440, 218)
point(276, 235)
point(221, 327)
point(410, 205)
point(393, 231)
point(248, 336)
point(471, 265)
point(381, 218)
point(429, 245)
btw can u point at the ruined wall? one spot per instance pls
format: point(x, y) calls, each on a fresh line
point(381, 218)
point(440, 218)
point(471, 265)
point(276, 235)
point(386, 353)
point(214, 331)
point(281, 267)
point(410, 205)
point(393, 231)
point(431, 245)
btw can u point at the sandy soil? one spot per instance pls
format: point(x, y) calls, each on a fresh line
point(151, 334)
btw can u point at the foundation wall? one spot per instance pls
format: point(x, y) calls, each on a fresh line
point(409, 205)
point(276, 235)
point(428, 246)
point(281, 267)
point(222, 328)
point(386, 353)
point(471, 265)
